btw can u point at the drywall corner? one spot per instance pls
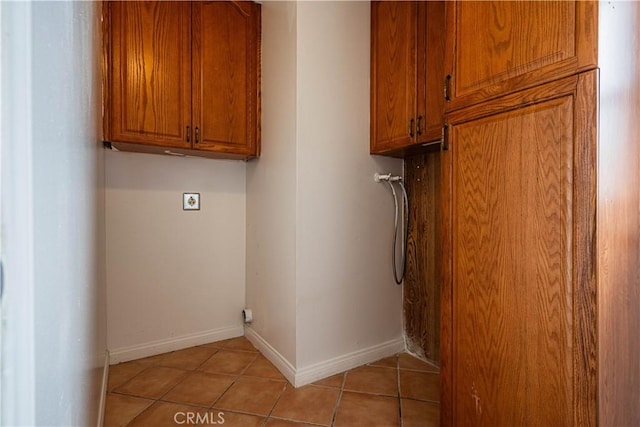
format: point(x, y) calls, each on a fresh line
point(270, 187)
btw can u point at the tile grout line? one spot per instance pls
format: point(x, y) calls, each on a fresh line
point(371, 393)
point(246, 368)
point(335, 408)
point(158, 400)
point(233, 382)
point(129, 380)
point(150, 366)
point(188, 374)
point(223, 393)
point(242, 373)
point(284, 389)
point(155, 400)
point(152, 402)
point(415, 399)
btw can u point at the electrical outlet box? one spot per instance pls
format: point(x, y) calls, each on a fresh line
point(191, 201)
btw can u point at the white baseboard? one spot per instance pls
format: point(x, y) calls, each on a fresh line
point(347, 361)
point(318, 371)
point(283, 365)
point(152, 348)
point(103, 390)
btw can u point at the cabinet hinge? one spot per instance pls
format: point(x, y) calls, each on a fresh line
point(444, 138)
point(447, 84)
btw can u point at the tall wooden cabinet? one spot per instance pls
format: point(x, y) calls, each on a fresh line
point(407, 51)
point(183, 76)
point(521, 347)
point(494, 47)
point(541, 219)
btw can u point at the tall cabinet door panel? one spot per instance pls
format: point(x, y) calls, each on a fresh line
point(431, 47)
point(393, 74)
point(150, 87)
point(496, 47)
point(225, 69)
point(514, 335)
point(431, 14)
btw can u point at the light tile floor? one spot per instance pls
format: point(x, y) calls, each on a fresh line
point(230, 383)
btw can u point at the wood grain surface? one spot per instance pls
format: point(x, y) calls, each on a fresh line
point(150, 72)
point(393, 74)
point(423, 278)
point(512, 268)
point(225, 75)
point(518, 343)
point(497, 47)
point(184, 75)
point(431, 46)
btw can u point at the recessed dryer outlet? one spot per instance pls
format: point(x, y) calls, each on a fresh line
point(191, 201)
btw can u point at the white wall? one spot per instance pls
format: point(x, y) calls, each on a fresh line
point(347, 299)
point(174, 278)
point(271, 187)
point(318, 228)
point(68, 183)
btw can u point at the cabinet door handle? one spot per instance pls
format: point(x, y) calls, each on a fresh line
point(188, 133)
point(411, 127)
point(197, 134)
point(419, 126)
point(447, 84)
point(444, 139)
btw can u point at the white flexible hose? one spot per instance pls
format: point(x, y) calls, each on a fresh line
point(405, 223)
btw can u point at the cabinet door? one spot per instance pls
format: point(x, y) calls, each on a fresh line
point(226, 40)
point(431, 46)
point(150, 72)
point(520, 347)
point(497, 47)
point(393, 75)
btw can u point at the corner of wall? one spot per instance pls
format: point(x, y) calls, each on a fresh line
point(271, 208)
point(103, 390)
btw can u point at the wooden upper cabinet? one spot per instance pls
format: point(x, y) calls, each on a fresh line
point(497, 47)
point(150, 70)
point(225, 52)
point(407, 49)
point(393, 74)
point(431, 45)
point(184, 75)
